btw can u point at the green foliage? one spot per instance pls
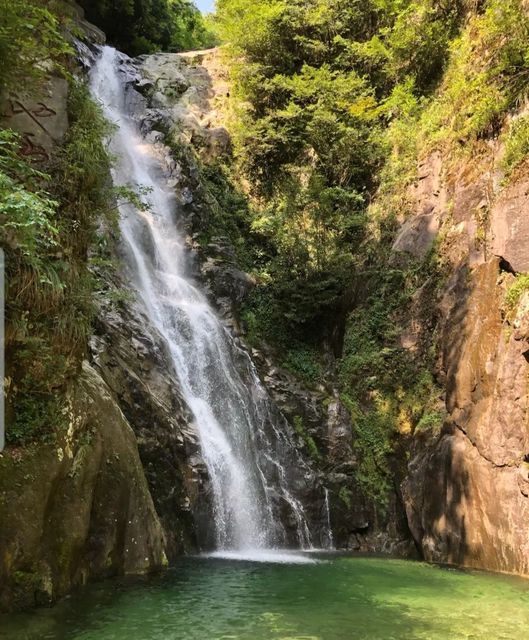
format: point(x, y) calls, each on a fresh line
point(316, 85)
point(144, 26)
point(49, 221)
point(305, 363)
point(418, 40)
point(516, 145)
point(373, 435)
point(228, 211)
point(345, 496)
point(36, 418)
point(308, 440)
point(31, 44)
point(83, 172)
point(431, 421)
point(25, 216)
point(517, 289)
point(333, 103)
point(488, 74)
point(389, 390)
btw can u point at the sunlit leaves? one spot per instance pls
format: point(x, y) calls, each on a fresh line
point(26, 215)
point(31, 45)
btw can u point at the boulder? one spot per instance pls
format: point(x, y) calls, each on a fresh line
point(76, 509)
point(42, 121)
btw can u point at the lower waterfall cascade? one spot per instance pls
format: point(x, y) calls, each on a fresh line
point(230, 406)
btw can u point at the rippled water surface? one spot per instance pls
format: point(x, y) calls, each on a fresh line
point(341, 598)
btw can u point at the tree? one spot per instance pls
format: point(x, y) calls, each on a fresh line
point(143, 26)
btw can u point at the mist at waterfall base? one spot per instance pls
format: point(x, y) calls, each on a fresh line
point(247, 452)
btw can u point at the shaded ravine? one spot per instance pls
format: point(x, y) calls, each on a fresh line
point(244, 441)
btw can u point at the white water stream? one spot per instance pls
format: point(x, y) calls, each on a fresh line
point(243, 461)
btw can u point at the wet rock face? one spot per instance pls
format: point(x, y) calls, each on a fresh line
point(224, 283)
point(180, 96)
point(131, 357)
point(466, 490)
point(318, 414)
point(79, 509)
point(183, 98)
point(120, 492)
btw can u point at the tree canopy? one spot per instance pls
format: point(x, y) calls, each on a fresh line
point(143, 26)
point(316, 83)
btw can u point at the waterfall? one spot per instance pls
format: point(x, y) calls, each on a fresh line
point(328, 532)
point(217, 378)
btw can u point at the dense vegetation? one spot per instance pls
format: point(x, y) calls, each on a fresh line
point(52, 205)
point(143, 26)
point(334, 102)
point(317, 84)
point(30, 39)
point(49, 210)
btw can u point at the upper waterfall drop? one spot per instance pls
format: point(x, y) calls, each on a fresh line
point(243, 461)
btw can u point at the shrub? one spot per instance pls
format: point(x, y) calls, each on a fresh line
point(516, 291)
point(31, 45)
point(144, 26)
point(516, 145)
point(308, 440)
point(49, 223)
point(305, 363)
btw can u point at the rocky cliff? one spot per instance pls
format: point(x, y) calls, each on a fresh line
point(77, 505)
point(186, 106)
point(79, 508)
point(466, 491)
point(123, 489)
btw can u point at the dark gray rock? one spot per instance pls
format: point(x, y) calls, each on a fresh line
point(132, 358)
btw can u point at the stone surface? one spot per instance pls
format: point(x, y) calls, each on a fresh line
point(173, 102)
point(510, 225)
point(466, 489)
point(41, 121)
point(464, 499)
point(78, 509)
point(188, 87)
point(132, 358)
point(356, 523)
point(418, 233)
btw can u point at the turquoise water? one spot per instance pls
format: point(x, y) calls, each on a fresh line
point(342, 598)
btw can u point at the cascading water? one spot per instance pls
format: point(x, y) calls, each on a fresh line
point(230, 410)
point(327, 509)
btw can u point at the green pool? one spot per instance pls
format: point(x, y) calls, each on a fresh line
point(337, 598)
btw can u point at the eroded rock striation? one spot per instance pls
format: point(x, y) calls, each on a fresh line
point(466, 490)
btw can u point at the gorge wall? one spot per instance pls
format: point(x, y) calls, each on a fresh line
point(122, 487)
point(466, 488)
